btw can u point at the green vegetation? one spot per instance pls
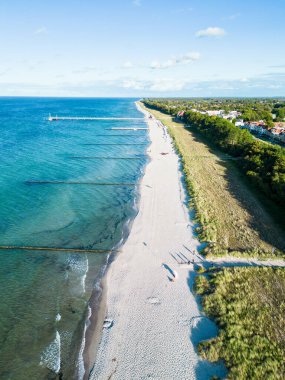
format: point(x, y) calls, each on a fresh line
point(262, 163)
point(229, 215)
point(248, 304)
point(279, 111)
point(250, 108)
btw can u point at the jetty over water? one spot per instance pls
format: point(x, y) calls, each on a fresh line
point(56, 118)
point(127, 129)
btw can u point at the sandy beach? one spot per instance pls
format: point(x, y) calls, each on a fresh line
point(153, 321)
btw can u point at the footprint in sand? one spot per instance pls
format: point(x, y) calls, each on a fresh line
point(153, 300)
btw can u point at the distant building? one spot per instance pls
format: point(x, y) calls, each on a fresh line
point(255, 127)
point(180, 114)
point(279, 124)
point(215, 113)
point(278, 129)
point(239, 123)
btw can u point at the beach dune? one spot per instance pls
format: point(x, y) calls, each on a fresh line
point(156, 321)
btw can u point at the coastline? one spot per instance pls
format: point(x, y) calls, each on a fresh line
point(156, 319)
point(98, 300)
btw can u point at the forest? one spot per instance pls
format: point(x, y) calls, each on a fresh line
point(262, 163)
point(251, 109)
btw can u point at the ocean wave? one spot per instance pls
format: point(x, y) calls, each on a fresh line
point(80, 363)
point(67, 216)
point(50, 357)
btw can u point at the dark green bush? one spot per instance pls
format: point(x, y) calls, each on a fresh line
point(263, 164)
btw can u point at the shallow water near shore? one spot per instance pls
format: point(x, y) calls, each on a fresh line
point(45, 294)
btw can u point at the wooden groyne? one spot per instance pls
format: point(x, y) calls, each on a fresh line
point(117, 135)
point(59, 249)
point(104, 158)
point(127, 129)
point(43, 182)
point(121, 144)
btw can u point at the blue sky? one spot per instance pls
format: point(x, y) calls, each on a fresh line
point(142, 48)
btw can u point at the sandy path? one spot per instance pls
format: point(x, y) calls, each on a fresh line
point(156, 319)
point(239, 262)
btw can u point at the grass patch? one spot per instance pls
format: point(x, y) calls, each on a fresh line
point(230, 217)
point(248, 304)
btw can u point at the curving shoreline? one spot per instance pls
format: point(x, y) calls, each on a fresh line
point(149, 296)
point(98, 301)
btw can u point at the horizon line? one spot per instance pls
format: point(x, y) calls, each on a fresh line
point(144, 97)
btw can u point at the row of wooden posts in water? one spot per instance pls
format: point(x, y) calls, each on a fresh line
point(96, 183)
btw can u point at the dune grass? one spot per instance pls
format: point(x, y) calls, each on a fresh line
point(230, 216)
point(248, 305)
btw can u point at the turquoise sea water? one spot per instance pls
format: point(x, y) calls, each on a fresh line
point(45, 294)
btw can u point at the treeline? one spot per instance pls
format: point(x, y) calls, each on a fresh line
point(251, 109)
point(279, 111)
point(263, 164)
point(249, 114)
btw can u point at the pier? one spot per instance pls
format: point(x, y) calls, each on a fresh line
point(117, 135)
point(57, 118)
point(127, 129)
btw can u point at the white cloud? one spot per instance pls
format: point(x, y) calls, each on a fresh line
point(164, 85)
point(41, 30)
point(128, 65)
point(84, 70)
point(134, 84)
point(212, 31)
point(182, 60)
point(157, 85)
point(3, 72)
point(277, 66)
point(137, 3)
point(262, 85)
point(223, 86)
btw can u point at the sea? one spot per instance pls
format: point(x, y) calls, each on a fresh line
point(70, 187)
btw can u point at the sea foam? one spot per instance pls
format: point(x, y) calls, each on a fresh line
point(50, 357)
point(80, 364)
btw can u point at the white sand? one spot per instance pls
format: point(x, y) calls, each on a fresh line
point(155, 320)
